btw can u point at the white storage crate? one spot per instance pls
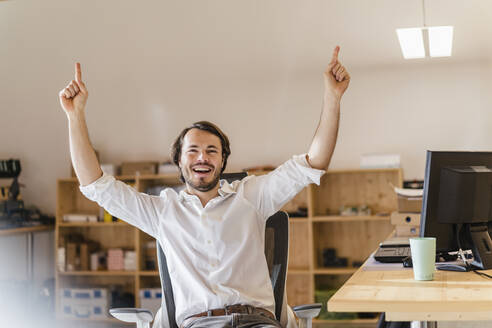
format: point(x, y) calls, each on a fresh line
point(150, 298)
point(90, 303)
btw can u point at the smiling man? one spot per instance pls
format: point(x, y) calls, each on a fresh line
point(201, 153)
point(212, 232)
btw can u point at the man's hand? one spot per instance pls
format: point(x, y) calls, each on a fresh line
point(336, 77)
point(74, 97)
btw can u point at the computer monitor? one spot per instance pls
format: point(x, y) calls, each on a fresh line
point(445, 229)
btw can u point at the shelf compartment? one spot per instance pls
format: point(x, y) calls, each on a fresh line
point(299, 288)
point(356, 187)
point(325, 287)
point(354, 240)
point(71, 200)
point(298, 245)
point(120, 236)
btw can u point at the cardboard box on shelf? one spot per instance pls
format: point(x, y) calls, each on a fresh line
point(71, 259)
point(409, 204)
point(138, 168)
point(405, 219)
point(115, 259)
point(84, 257)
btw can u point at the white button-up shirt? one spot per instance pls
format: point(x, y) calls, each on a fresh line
point(215, 254)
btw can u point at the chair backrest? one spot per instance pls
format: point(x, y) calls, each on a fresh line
point(276, 253)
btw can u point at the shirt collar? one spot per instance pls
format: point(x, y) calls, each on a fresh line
point(225, 190)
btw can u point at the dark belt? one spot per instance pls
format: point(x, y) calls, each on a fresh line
point(236, 308)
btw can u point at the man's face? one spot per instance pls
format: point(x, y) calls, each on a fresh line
point(201, 159)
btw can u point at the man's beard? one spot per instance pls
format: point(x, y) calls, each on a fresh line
point(201, 186)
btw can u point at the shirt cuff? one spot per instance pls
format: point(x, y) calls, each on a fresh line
point(314, 175)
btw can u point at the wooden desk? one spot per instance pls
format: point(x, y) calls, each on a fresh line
point(451, 296)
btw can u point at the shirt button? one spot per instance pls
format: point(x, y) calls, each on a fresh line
point(203, 215)
point(209, 241)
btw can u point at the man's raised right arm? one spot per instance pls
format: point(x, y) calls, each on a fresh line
point(116, 197)
point(73, 99)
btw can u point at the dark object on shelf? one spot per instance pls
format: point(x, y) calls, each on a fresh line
point(366, 315)
point(301, 212)
point(150, 265)
point(14, 215)
point(407, 262)
point(330, 258)
point(413, 184)
point(120, 298)
point(10, 168)
point(357, 264)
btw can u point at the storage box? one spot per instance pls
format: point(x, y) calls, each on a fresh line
point(405, 219)
point(151, 299)
point(116, 259)
point(84, 257)
point(71, 259)
point(77, 217)
point(409, 204)
point(407, 231)
point(88, 303)
point(138, 168)
point(60, 259)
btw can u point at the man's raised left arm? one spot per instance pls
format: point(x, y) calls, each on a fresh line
point(336, 80)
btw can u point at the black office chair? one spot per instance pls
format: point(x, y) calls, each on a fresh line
point(276, 253)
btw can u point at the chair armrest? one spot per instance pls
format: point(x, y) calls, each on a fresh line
point(307, 310)
point(306, 313)
point(141, 316)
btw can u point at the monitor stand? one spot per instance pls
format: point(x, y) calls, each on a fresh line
point(481, 244)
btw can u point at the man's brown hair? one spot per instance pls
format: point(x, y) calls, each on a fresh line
point(205, 126)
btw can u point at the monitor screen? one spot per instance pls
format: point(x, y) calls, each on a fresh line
point(435, 163)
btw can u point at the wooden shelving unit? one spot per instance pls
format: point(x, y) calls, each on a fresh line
point(108, 235)
point(354, 237)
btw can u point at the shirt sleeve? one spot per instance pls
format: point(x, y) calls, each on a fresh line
point(126, 203)
point(270, 192)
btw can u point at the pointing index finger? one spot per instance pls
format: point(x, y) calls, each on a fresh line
point(334, 58)
point(78, 73)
